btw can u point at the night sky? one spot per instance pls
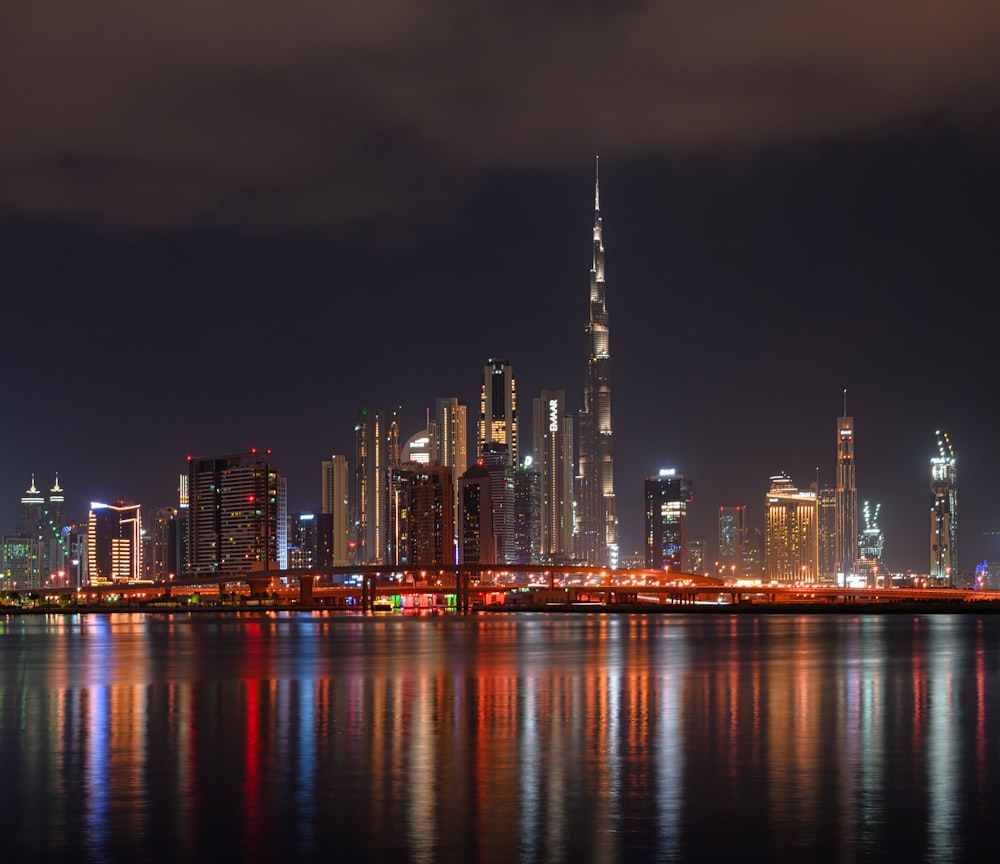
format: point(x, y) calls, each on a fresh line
point(232, 225)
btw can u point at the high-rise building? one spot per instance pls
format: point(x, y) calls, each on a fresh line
point(494, 461)
point(732, 536)
point(376, 452)
point(527, 514)
point(498, 411)
point(477, 541)
point(791, 537)
point(431, 516)
point(847, 500)
point(553, 459)
point(238, 515)
point(667, 498)
point(304, 541)
point(335, 504)
point(114, 543)
point(597, 524)
point(944, 512)
point(161, 561)
point(826, 515)
point(449, 434)
point(870, 546)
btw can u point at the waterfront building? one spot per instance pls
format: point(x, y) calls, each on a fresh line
point(732, 536)
point(944, 512)
point(826, 516)
point(846, 563)
point(752, 554)
point(477, 540)
point(695, 556)
point(498, 411)
point(160, 557)
point(18, 566)
point(449, 434)
point(431, 534)
point(334, 537)
point(376, 452)
point(553, 459)
point(114, 543)
point(494, 461)
point(870, 545)
point(667, 498)
point(791, 534)
point(597, 524)
point(303, 540)
point(237, 515)
point(41, 526)
point(528, 515)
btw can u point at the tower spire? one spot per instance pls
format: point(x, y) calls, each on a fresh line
point(597, 183)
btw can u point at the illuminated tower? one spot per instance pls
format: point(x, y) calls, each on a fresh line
point(498, 410)
point(334, 503)
point(870, 545)
point(791, 535)
point(597, 525)
point(376, 452)
point(667, 497)
point(237, 515)
point(944, 512)
point(847, 499)
point(732, 537)
point(448, 430)
point(114, 545)
point(553, 459)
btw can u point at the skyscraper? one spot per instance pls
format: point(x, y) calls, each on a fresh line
point(597, 525)
point(667, 497)
point(114, 543)
point(553, 459)
point(238, 516)
point(847, 499)
point(376, 452)
point(944, 512)
point(732, 535)
point(498, 411)
point(791, 534)
point(335, 503)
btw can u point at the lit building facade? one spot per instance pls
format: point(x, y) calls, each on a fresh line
point(596, 522)
point(498, 411)
point(732, 536)
point(376, 453)
point(870, 546)
point(944, 512)
point(477, 541)
point(335, 503)
point(846, 563)
point(791, 536)
point(826, 514)
point(667, 499)
point(553, 459)
point(527, 515)
point(237, 515)
point(114, 543)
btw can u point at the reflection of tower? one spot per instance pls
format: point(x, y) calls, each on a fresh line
point(847, 497)
point(498, 411)
point(597, 525)
point(944, 511)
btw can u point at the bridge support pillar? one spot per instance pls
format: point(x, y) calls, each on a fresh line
point(258, 586)
point(306, 590)
point(367, 592)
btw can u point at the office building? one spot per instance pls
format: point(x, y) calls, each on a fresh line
point(553, 459)
point(237, 515)
point(497, 429)
point(334, 535)
point(732, 536)
point(826, 515)
point(846, 563)
point(376, 452)
point(596, 522)
point(944, 512)
point(431, 535)
point(667, 499)
point(870, 546)
point(528, 515)
point(791, 535)
point(114, 543)
point(477, 540)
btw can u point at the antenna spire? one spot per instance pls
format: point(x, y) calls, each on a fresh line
point(597, 182)
point(845, 401)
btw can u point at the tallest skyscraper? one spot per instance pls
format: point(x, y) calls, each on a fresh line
point(597, 525)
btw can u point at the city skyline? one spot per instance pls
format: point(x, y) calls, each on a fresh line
point(273, 243)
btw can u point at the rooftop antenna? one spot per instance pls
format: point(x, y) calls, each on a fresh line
point(597, 182)
point(845, 401)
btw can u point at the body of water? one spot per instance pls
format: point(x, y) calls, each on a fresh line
point(520, 737)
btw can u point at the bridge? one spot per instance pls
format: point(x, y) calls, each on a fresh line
point(467, 587)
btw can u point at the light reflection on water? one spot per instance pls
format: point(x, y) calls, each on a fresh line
point(523, 737)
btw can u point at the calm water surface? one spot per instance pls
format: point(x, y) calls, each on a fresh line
point(266, 737)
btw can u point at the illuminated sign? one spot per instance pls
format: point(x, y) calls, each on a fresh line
point(553, 415)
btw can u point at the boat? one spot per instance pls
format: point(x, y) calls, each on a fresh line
point(382, 604)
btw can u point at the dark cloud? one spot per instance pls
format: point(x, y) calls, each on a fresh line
point(309, 114)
